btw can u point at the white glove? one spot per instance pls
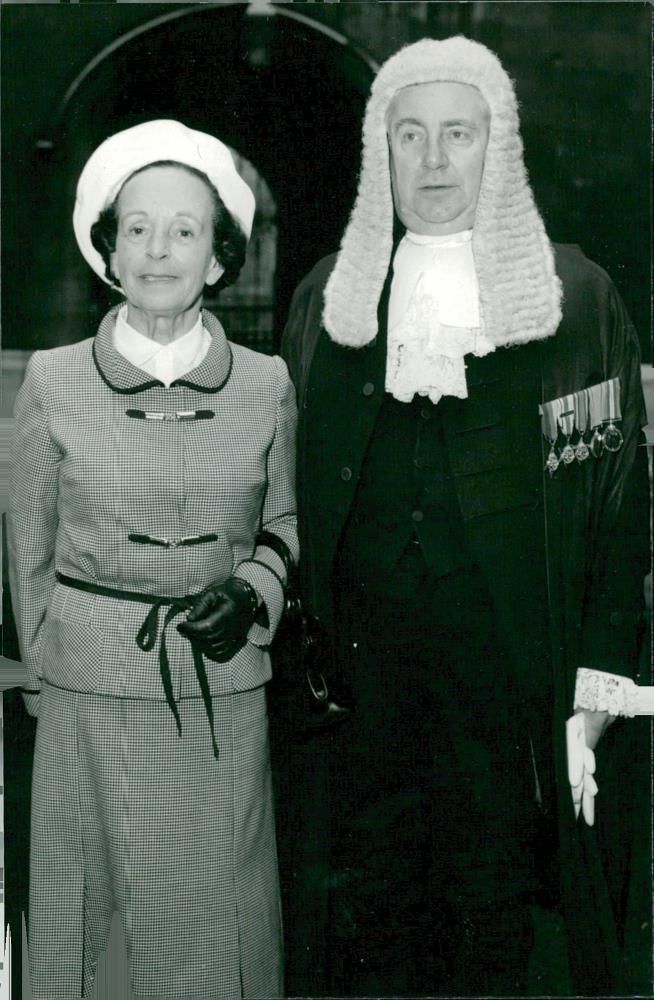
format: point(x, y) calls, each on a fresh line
point(581, 768)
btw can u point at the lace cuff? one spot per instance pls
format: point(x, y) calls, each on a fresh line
point(599, 691)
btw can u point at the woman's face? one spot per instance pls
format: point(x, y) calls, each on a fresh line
point(164, 243)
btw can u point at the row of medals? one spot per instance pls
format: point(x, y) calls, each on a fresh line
point(603, 438)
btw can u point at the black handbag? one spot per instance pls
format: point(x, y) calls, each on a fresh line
point(325, 708)
point(306, 646)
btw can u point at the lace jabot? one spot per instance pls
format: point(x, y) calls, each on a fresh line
point(433, 317)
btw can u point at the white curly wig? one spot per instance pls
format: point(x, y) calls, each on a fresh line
point(520, 293)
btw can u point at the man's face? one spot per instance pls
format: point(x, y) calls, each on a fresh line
point(438, 133)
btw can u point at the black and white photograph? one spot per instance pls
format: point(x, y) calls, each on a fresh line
point(326, 448)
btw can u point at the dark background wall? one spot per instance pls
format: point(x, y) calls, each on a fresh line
point(291, 99)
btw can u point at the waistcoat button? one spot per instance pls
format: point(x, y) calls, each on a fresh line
point(346, 474)
point(417, 515)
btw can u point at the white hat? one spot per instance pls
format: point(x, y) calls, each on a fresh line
point(519, 291)
point(121, 154)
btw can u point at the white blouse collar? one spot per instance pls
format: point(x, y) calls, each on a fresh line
point(165, 362)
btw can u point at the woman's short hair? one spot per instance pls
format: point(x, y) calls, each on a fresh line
point(229, 241)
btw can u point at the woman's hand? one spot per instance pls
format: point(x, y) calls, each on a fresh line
point(220, 618)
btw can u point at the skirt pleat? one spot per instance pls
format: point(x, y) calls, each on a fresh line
point(128, 815)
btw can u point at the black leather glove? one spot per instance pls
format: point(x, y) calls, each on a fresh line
point(220, 618)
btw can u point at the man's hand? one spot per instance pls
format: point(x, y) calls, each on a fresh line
point(581, 768)
point(595, 725)
point(583, 732)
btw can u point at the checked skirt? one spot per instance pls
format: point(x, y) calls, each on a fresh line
point(129, 816)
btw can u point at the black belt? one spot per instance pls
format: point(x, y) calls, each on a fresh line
point(147, 635)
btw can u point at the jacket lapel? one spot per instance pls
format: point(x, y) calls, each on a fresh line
point(125, 378)
point(344, 392)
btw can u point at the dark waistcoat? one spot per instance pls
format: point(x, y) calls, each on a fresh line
point(405, 494)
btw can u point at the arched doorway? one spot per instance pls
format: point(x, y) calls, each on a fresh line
point(247, 308)
point(283, 91)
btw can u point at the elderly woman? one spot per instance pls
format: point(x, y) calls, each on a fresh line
point(153, 488)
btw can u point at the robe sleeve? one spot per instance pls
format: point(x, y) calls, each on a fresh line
point(612, 620)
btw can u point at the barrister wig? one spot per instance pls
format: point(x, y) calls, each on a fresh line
point(520, 294)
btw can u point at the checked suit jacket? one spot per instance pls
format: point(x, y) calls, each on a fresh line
point(90, 469)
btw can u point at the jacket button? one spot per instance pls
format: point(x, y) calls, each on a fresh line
point(425, 412)
point(418, 515)
point(346, 474)
point(368, 389)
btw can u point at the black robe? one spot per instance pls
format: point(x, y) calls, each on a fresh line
point(582, 607)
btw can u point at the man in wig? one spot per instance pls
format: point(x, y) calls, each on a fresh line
point(471, 505)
